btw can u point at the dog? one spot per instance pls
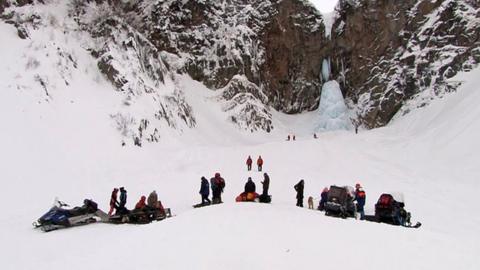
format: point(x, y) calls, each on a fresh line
point(310, 202)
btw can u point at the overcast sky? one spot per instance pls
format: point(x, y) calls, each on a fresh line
point(325, 5)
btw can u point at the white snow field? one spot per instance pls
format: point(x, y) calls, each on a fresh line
point(67, 146)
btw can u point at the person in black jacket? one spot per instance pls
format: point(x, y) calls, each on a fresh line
point(299, 188)
point(205, 190)
point(250, 186)
point(265, 184)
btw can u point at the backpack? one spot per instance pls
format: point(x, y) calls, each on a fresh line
point(220, 183)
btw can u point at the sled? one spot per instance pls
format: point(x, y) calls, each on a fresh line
point(198, 205)
point(141, 216)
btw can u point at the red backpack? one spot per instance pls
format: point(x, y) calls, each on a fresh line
point(385, 201)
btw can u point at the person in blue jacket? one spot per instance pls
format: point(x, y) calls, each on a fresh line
point(205, 190)
point(323, 199)
point(360, 197)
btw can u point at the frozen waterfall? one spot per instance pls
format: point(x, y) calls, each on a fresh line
point(332, 109)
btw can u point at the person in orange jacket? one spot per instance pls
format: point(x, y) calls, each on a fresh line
point(259, 163)
point(249, 163)
point(141, 204)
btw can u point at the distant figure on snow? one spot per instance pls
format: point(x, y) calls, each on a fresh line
point(288, 138)
point(299, 188)
point(249, 163)
point(315, 135)
point(265, 184)
point(113, 201)
point(205, 191)
point(293, 137)
point(259, 163)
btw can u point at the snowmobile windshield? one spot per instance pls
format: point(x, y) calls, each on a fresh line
point(338, 193)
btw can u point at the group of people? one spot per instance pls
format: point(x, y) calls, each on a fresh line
point(217, 184)
point(291, 137)
point(359, 197)
point(259, 163)
point(119, 203)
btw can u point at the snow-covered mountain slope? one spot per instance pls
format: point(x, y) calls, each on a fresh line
point(62, 147)
point(62, 137)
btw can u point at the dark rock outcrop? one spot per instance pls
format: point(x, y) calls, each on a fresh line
point(276, 45)
point(387, 52)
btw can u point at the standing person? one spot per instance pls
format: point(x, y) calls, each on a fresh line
point(217, 184)
point(205, 190)
point(265, 184)
point(299, 188)
point(288, 138)
point(123, 201)
point(152, 200)
point(293, 137)
point(259, 163)
point(113, 201)
point(360, 197)
point(323, 199)
point(249, 163)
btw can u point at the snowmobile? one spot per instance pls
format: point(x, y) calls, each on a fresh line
point(390, 209)
point(140, 216)
point(59, 217)
point(340, 202)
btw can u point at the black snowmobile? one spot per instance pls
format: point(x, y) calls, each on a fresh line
point(59, 217)
point(140, 216)
point(390, 209)
point(340, 202)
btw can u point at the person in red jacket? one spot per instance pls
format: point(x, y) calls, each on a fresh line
point(141, 204)
point(259, 163)
point(249, 163)
point(113, 201)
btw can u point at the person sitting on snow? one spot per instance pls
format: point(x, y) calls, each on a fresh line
point(152, 200)
point(141, 204)
point(250, 186)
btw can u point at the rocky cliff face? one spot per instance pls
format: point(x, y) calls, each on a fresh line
point(260, 55)
point(391, 55)
point(274, 45)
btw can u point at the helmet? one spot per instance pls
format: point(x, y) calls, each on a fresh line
point(357, 185)
point(217, 174)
